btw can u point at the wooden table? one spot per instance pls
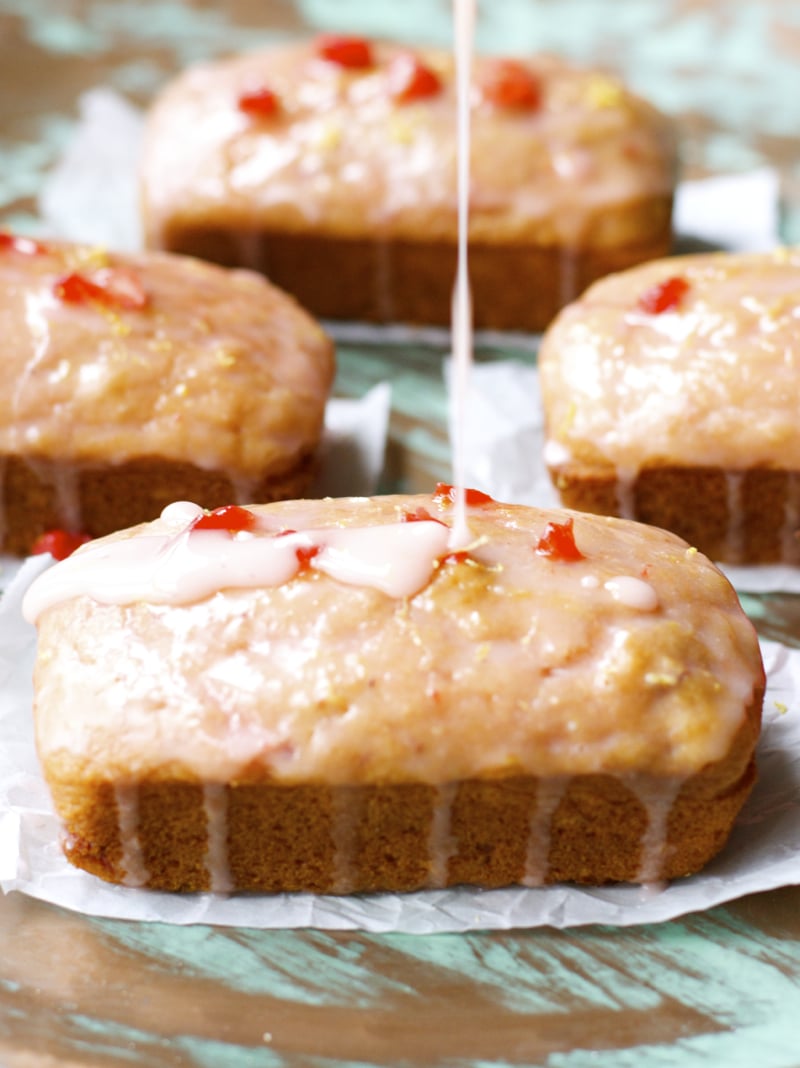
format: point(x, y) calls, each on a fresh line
point(721, 987)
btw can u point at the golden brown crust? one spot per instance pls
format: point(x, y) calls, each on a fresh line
point(339, 277)
point(340, 839)
point(730, 516)
point(111, 497)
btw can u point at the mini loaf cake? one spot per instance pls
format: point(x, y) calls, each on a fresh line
point(130, 381)
point(326, 696)
point(330, 165)
point(670, 396)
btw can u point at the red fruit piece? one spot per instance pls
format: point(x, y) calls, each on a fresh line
point(420, 515)
point(229, 517)
point(355, 53)
point(305, 554)
point(456, 557)
point(260, 103)
point(113, 287)
point(558, 542)
point(59, 543)
point(664, 296)
point(24, 245)
point(445, 492)
point(410, 79)
point(509, 84)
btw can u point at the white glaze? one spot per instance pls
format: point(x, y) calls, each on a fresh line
point(657, 800)
point(734, 535)
point(464, 11)
point(633, 592)
point(441, 844)
point(215, 806)
point(131, 862)
point(345, 814)
point(549, 794)
point(179, 567)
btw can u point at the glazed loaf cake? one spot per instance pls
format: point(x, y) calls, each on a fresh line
point(325, 696)
point(670, 397)
point(330, 165)
point(131, 381)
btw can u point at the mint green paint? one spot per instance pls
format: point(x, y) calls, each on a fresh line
point(63, 35)
point(24, 164)
point(20, 222)
point(207, 1054)
point(314, 970)
point(418, 397)
point(746, 1048)
point(141, 77)
point(409, 20)
point(727, 153)
point(95, 1037)
point(436, 451)
point(533, 972)
point(716, 964)
point(414, 392)
point(192, 33)
point(790, 226)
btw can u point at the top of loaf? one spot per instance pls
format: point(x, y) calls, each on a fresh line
point(688, 360)
point(179, 648)
point(109, 357)
point(342, 156)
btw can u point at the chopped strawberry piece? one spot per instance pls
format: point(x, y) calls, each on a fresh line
point(355, 53)
point(24, 245)
point(445, 492)
point(558, 542)
point(456, 557)
point(59, 543)
point(260, 103)
point(230, 517)
point(420, 515)
point(305, 554)
point(410, 79)
point(509, 84)
point(115, 287)
point(664, 296)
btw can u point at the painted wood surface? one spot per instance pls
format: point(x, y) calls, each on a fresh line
point(722, 987)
